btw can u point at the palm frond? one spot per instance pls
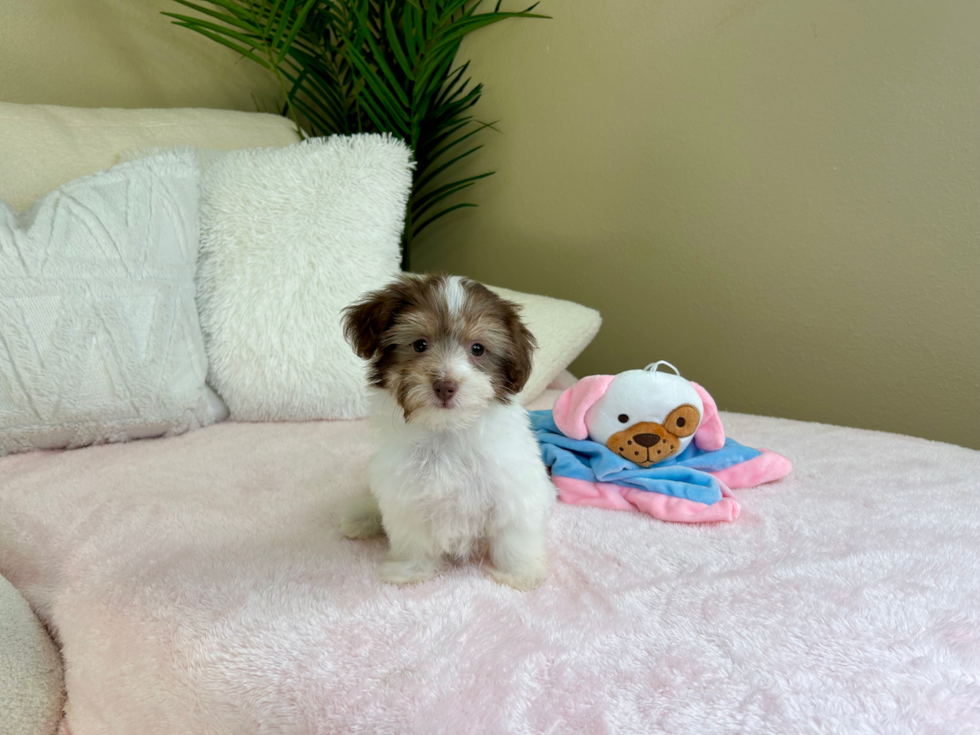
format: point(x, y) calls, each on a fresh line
point(347, 66)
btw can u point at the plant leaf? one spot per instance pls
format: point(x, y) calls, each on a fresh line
point(431, 197)
point(230, 19)
point(196, 23)
point(370, 66)
point(436, 155)
point(225, 42)
point(418, 228)
point(272, 12)
point(422, 182)
point(233, 7)
point(395, 45)
point(417, 212)
point(297, 26)
point(392, 79)
point(281, 25)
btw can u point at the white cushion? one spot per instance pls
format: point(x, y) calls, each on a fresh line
point(290, 236)
point(45, 146)
point(562, 328)
point(99, 334)
point(31, 678)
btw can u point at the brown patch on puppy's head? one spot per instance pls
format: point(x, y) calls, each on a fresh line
point(443, 346)
point(512, 359)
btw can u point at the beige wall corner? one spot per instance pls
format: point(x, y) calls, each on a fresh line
point(119, 53)
point(783, 199)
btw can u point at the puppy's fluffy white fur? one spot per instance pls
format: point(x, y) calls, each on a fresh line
point(451, 481)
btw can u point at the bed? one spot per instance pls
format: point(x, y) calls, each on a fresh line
point(200, 584)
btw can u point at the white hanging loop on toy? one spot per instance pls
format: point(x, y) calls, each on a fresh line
point(652, 367)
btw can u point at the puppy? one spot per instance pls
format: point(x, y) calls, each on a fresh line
point(457, 470)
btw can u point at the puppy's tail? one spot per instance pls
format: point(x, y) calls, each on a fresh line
point(360, 517)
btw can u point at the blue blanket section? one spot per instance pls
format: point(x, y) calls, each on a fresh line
point(681, 476)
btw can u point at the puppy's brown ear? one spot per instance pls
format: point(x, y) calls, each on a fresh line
point(517, 366)
point(366, 321)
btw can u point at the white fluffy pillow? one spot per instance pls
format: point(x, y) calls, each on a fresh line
point(289, 237)
point(99, 333)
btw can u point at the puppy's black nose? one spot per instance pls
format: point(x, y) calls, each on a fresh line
point(445, 389)
point(646, 440)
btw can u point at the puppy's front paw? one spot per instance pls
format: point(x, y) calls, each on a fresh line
point(523, 580)
point(360, 517)
point(399, 571)
point(360, 527)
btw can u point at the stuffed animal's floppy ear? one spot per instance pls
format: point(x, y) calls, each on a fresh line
point(570, 408)
point(710, 435)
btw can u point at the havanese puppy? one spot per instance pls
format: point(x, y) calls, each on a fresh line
point(457, 471)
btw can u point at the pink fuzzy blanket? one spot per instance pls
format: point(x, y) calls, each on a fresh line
point(199, 584)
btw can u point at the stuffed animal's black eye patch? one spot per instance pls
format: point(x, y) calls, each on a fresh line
point(623, 418)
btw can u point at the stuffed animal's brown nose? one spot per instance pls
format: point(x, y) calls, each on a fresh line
point(445, 390)
point(646, 440)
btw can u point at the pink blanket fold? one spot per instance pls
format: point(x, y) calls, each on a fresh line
point(766, 467)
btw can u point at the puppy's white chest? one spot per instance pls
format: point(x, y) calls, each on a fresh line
point(454, 489)
point(447, 474)
point(445, 487)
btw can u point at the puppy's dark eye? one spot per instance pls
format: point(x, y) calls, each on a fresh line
point(420, 345)
point(477, 350)
point(681, 421)
point(623, 418)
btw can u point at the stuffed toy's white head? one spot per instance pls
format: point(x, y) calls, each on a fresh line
point(644, 416)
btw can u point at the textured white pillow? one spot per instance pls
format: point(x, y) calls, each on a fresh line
point(99, 334)
point(562, 328)
point(289, 237)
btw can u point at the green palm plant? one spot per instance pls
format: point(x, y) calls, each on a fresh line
point(348, 66)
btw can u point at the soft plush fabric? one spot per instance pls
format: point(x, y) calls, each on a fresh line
point(684, 475)
point(691, 487)
point(562, 329)
point(648, 441)
point(31, 679)
point(45, 146)
point(200, 584)
point(99, 332)
point(289, 237)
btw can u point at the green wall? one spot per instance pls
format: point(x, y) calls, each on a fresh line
point(782, 198)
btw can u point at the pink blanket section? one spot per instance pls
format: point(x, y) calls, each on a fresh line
point(767, 467)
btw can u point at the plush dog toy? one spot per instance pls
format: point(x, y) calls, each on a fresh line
point(648, 441)
point(644, 416)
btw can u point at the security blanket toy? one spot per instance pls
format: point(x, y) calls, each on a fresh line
point(648, 441)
